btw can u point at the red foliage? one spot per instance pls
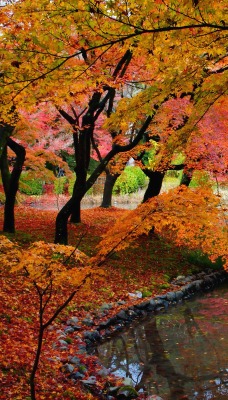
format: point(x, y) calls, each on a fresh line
point(19, 304)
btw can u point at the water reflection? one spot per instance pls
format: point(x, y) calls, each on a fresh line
point(181, 354)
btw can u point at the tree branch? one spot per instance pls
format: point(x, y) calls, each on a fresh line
point(67, 116)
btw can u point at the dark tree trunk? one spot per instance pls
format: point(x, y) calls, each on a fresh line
point(61, 232)
point(5, 132)
point(61, 235)
point(82, 148)
point(9, 218)
point(154, 185)
point(82, 157)
point(108, 188)
point(76, 213)
point(186, 179)
point(155, 181)
point(4, 167)
point(78, 193)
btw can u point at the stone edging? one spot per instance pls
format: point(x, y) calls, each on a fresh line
point(194, 284)
point(186, 287)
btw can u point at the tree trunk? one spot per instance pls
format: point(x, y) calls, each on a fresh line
point(4, 168)
point(61, 235)
point(9, 218)
point(108, 188)
point(154, 185)
point(76, 213)
point(186, 179)
point(78, 193)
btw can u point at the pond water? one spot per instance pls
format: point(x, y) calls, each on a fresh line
point(179, 354)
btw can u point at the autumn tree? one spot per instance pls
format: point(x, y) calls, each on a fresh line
point(163, 146)
point(33, 146)
point(191, 218)
point(45, 140)
point(169, 48)
point(46, 267)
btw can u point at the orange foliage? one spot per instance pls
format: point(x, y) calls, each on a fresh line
point(39, 273)
point(189, 217)
point(64, 53)
point(44, 262)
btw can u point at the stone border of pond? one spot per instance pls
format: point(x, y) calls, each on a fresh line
point(185, 287)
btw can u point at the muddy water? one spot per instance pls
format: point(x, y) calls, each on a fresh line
point(180, 354)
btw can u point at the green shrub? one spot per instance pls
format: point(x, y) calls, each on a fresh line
point(30, 186)
point(71, 185)
point(145, 292)
point(163, 286)
point(200, 178)
point(141, 177)
point(131, 180)
point(2, 198)
point(59, 184)
point(201, 260)
point(173, 174)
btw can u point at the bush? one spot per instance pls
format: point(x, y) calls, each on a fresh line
point(2, 198)
point(59, 184)
point(30, 186)
point(71, 185)
point(141, 177)
point(173, 174)
point(130, 181)
point(200, 179)
point(201, 260)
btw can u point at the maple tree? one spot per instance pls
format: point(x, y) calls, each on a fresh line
point(93, 30)
point(42, 148)
point(46, 267)
point(44, 140)
point(207, 145)
point(197, 223)
point(205, 148)
point(167, 49)
point(82, 184)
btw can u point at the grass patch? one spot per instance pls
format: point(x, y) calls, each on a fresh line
point(202, 261)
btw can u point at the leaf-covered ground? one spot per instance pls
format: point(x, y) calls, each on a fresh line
point(148, 268)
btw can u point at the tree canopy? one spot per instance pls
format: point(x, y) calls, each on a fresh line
point(84, 57)
point(146, 79)
point(59, 50)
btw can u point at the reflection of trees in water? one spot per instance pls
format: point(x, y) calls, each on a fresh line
point(145, 354)
point(160, 359)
